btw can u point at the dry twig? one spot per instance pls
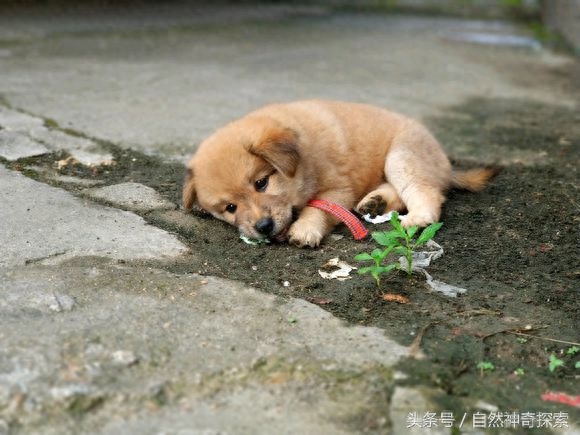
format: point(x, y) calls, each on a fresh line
point(416, 344)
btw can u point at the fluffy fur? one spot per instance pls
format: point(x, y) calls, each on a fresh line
point(258, 173)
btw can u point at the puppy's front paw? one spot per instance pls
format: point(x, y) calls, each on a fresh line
point(304, 235)
point(375, 206)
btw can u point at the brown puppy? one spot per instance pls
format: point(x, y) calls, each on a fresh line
point(258, 172)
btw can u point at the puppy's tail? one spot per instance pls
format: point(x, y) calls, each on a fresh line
point(474, 180)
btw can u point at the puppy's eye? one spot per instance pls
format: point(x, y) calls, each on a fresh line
point(231, 208)
point(261, 184)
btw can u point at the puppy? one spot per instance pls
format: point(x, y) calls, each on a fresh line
point(259, 172)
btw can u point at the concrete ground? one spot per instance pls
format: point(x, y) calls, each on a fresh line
point(97, 336)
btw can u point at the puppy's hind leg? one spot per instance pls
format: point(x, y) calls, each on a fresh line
point(423, 204)
point(420, 172)
point(380, 201)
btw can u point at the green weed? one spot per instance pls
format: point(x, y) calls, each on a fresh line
point(554, 362)
point(485, 366)
point(399, 241)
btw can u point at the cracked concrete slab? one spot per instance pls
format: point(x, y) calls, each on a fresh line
point(131, 196)
point(23, 135)
point(14, 146)
point(148, 351)
point(17, 121)
point(85, 151)
point(43, 223)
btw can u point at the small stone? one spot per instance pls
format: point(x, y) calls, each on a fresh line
point(61, 302)
point(64, 393)
point(124, 357)
point(484, 406)
point(400, 376)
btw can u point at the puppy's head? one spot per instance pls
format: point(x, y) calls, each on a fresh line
point(248, 174)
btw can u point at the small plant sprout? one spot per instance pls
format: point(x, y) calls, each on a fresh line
point(554, 362)
point(399, 241)
point(376, 270)
point(519, 371)
point(485, 366)
point(572, 350)
point(577, 365)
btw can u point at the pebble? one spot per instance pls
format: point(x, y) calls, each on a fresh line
point(124, 357)
point(61, 302)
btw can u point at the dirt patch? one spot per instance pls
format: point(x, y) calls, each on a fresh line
point(514, 247)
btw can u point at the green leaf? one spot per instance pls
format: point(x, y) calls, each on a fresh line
point(367, 269)
point(397, 225)
point(401, 250)
point(388, 250)
point(395, 234)
point(363, 256)
point(388, 268)
point(411, 231)
point(385, 238)
point(486, 365)
point(428, 233)
point(554, 363)
point(377, 254)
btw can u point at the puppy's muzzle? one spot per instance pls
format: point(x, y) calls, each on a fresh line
point(265, 226)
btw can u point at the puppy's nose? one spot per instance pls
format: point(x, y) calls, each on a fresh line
point(264, 226)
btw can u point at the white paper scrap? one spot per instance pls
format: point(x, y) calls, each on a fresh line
point(341, 270)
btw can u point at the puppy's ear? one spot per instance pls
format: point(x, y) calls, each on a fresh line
point(279, 147)
point(188, 195)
